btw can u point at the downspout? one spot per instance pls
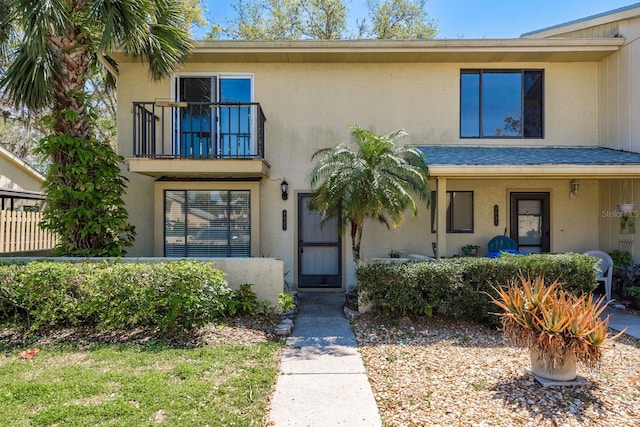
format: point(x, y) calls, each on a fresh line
point(107, 65)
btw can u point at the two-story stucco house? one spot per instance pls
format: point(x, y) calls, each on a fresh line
point(536, 138)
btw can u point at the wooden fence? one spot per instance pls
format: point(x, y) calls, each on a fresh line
point(19, 232)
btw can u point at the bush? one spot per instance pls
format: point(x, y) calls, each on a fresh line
point(42, 294)
point(461, 288)
point(170, 296)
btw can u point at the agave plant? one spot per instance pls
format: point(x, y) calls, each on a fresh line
point(554, 323)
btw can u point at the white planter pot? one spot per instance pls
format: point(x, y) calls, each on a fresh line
point(625, 207)
point(566, 372)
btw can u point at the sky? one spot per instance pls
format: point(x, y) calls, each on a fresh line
point(469, 19)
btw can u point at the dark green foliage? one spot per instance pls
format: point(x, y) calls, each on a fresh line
point(84, 198)
point(42, 294)
point(244, 301)
point(461, 287)
point(170, 295)
point(621, 258)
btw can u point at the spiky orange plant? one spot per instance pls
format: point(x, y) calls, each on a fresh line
point(552, 321)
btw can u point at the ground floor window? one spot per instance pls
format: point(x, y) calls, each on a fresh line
point(207, 223)
point(459, 211)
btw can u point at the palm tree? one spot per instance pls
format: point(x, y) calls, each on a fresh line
point(61, 40)
point(375, 179)
point(54, 47)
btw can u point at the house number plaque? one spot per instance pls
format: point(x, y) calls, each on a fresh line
point(284, 220)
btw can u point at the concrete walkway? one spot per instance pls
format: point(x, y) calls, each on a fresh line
point(322, 379)
point(621, 319)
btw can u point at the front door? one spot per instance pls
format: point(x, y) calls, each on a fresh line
point(318, 249)
point(530, 222)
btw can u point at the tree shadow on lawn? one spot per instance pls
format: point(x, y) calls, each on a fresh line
point(551, 405)
point(244, 330)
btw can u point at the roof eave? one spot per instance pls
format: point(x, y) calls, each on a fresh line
point(460, 50)
point(620, 14)
point(583, 171)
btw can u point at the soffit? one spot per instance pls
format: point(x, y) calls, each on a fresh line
point(402, 51)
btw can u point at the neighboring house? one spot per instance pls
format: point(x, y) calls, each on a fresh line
point(536, 137)
point(20, 184)
point(20, 204)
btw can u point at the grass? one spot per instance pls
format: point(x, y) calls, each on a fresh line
point(138, 384)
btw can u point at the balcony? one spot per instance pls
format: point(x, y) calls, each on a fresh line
point(198, 139)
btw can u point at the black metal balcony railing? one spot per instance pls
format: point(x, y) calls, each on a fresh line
point(198, 130)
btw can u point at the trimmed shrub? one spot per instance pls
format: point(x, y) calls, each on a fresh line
point(461, 288)
point(42, 294)
point(170, 296)
point(167, 295)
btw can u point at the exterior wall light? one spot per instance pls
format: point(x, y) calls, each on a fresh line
point(575, 187)
point(284, 186)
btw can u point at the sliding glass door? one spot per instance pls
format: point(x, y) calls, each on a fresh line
point(215, 117)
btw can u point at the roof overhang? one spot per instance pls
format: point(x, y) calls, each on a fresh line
point(536, 171)
point(200, 168)
point(531, 162)
point(400, 51)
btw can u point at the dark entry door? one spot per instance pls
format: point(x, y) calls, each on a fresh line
point(318, 249)
point(530, 222)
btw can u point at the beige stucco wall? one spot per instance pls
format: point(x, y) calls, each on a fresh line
point(573, 223)
point(308, 106)
point(616, 191)
point(619, 122)
point(15, 177)
point(620, 92)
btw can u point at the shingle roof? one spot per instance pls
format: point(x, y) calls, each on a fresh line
point(456, 155)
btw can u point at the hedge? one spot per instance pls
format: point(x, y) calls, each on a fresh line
point(170, 295)
point(461, 288)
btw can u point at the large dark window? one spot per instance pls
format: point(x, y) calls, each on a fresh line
point(207, 223)
point(501, 104)
point(459, 211)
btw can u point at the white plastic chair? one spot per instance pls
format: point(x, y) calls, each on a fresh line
point(606, 270)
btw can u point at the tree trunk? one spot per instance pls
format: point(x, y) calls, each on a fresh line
point(70, 112)
point(356, 238)
point(70, 115)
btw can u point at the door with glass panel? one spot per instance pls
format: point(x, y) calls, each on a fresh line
point(530, 222)
point(215, 119)
point(319, 249)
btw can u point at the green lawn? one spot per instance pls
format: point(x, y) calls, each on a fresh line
point(137, 385)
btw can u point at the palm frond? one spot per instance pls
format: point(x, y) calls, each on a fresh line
point(153, 30)
point(371, 178)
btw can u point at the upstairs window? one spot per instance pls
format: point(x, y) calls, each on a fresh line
point(501, 103)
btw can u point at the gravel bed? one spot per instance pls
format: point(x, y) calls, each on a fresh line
point(437, 372)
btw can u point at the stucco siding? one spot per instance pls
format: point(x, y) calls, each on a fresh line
point(15, 177)
point(309, 106)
